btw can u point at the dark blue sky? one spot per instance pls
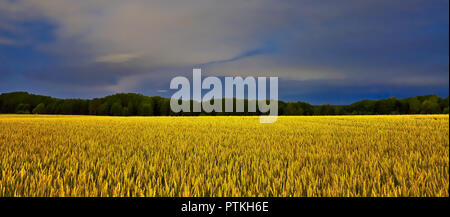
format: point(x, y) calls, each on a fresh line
point(327, 51)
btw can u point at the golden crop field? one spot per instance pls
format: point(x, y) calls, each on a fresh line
point(224, 156)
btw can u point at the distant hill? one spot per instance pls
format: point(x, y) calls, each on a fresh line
point(131, 104)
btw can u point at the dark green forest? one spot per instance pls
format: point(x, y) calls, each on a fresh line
point(130, 104)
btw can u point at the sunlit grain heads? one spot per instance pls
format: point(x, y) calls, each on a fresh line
point(224, 156)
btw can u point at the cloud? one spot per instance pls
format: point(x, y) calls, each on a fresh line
point(117, 58)
point(419, 81)
point(167, 33)
point(130, 45)
point(7, 41)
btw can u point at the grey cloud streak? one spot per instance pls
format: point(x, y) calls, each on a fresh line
point(128, 45)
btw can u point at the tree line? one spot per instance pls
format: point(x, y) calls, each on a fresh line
point(130, 104)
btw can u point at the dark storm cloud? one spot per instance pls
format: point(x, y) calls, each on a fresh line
point(374, 48)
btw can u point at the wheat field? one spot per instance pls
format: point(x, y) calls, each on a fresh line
point(224, 156)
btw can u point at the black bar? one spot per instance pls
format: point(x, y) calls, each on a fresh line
point(240, 206)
